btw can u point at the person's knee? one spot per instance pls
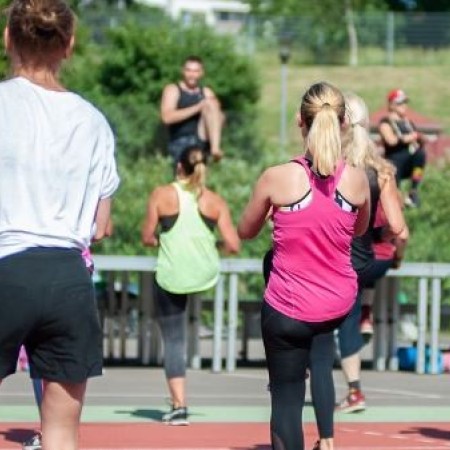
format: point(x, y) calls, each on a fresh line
point(210, 105)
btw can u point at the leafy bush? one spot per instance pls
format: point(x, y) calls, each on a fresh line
point(430, 238)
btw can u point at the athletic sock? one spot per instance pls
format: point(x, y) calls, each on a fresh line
point(354, 385)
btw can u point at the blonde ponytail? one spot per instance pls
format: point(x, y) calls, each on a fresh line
point(325, 136)
point(322, 112)
point(358, 147)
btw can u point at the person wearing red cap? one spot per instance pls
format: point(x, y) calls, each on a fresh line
point(403, 144)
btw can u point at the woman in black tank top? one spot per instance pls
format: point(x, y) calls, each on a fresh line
point(403, 145)
point(359, 151)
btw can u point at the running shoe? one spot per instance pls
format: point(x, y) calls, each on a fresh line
point(177, 416)
point(354, 402)
point(366, 324)
point(412, 199)
point(34, 443)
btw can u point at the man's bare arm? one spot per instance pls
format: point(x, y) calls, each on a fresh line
point(169, 112)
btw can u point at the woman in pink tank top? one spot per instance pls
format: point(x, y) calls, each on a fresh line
point(319, 203)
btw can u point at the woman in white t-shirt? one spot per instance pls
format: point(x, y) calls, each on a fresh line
point(58, 174)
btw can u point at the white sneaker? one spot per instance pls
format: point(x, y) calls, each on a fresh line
point(34, 443)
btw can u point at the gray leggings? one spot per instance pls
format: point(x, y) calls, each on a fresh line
point(171, 317)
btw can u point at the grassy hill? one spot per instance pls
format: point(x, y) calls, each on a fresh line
point(427, 87)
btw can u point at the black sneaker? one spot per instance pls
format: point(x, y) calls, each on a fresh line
point(34, 443)
point(178, 416)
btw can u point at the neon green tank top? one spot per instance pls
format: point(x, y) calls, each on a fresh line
point(188, 260)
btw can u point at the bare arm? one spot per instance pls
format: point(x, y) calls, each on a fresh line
point(389, 198)
point(109, 228)
point(102, 219)
point(169, 112)
point(255, 213)
point(389, 136)
point(231, 242)
point(151, 220)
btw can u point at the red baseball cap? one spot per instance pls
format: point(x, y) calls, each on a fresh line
point(397, 96)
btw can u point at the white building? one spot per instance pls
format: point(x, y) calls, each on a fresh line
point(223, 15)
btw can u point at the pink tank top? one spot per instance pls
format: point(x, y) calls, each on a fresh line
point(312, 278)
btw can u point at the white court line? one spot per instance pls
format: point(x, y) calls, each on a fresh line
point(397, 436)
point(160, 396)
point(396, 392)
point(373, 433)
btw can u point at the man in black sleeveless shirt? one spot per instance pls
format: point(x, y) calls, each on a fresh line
point(403, 144)
point(192, 113)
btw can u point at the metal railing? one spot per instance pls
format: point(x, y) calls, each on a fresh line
point(117, 271)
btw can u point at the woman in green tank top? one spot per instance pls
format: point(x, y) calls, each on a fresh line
point(188, 260)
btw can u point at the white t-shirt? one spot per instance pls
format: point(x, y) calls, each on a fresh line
point(56, 163)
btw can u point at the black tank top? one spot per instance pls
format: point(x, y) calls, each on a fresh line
point(189, 126)
point(400, 127)
point(362, 250)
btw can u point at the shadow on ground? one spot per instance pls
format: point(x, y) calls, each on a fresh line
point(149, 414)
point(429, 432)
point(18, 434)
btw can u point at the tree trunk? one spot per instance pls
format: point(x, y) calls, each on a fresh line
point(352, 34)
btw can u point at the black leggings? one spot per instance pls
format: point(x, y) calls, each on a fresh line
point(321, 358)
point(406, 163)
point(171, 317)
point(287, 343)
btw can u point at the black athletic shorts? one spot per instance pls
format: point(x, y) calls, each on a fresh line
point(47, 303)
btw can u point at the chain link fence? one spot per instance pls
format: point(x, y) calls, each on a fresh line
point(381, 37)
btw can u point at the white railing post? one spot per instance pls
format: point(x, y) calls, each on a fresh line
point(435, 325)
point(381, 308)
point(393, 313)
point(232, 322)
point(218, 325)
point(422, 307)
point(193, 329)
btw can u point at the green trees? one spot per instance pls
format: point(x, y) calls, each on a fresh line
point(429, 224)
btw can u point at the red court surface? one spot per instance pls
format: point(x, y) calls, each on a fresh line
point(240, 436)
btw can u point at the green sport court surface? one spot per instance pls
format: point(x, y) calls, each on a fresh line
point(231, 411)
